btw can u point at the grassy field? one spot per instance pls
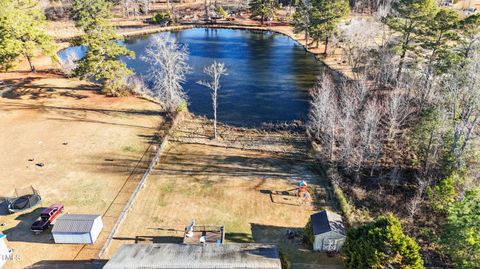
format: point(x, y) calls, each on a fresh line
point(88, 145)
point(218, 183)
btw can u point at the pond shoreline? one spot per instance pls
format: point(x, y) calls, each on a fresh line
point(332, 66)
point(337, 70)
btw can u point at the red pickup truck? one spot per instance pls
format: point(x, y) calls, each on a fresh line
point(47, 216)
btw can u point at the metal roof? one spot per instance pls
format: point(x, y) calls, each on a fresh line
point(178, 256)
point(326, 221)
point(74, 223)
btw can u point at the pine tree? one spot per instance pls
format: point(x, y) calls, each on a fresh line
point(461, 238)
point(409, 18)
point(469, 34)
point(102, 60)
point(439, 37)
point(22, 32)
point(324, 17)
point(263, 8)
point(302, 18)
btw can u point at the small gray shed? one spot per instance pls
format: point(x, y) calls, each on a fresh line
point(77, 229)
point(208, 256)
point(328, 231)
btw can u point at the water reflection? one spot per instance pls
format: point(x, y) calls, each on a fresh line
point(269, 74)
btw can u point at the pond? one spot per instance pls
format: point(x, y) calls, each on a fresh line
point(268, 79)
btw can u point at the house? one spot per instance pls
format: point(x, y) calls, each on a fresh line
point(328, 231)
point(77, 229)
point(198, 256)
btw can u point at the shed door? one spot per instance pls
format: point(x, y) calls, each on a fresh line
point(330, 244)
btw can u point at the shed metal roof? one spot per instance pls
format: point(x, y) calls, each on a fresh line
point(326, 221)
point(177, 256)
point(74, 223)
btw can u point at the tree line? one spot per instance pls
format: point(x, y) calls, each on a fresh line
point(410, 117)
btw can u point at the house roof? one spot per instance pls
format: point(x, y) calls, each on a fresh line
point(326, 221)
point(74, 223)
point(258, 256)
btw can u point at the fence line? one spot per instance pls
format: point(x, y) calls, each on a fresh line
point(141, 184)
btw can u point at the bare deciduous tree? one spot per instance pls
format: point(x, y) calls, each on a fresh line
point(398, 110)
point(168, 70)
point(323, 116)
point(463, 103)
point(370, 140)
point(348, 123)
point(135, 7)
point(215, 72)
point(359, 37)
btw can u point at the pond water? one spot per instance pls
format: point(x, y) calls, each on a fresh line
point(268, 79)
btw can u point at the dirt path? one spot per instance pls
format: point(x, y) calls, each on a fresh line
point(90, 146)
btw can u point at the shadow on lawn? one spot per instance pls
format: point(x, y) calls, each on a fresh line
point(198, 164)
point(19, 88)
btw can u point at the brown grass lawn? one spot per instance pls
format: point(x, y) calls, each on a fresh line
point(219, 185)
point(105, 138)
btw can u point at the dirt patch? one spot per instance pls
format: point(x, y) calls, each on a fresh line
point(88, 144)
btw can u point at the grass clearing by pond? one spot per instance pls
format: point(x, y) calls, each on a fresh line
point(218, 185)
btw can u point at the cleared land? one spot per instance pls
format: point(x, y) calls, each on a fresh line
point(245, 181)
point(89, 145)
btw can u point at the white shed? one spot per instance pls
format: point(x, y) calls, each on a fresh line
point(328, 231)
point(77, 229)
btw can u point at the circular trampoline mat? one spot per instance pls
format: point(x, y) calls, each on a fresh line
point(24, 202)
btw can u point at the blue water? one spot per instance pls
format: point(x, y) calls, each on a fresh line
point(268, 74)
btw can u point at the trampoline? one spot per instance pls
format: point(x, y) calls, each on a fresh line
point(24, 199)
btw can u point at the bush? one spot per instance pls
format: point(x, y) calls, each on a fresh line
point(285, 262)
point(443, 194)
point(163, 18)
point(308, 234)
point(381, 244)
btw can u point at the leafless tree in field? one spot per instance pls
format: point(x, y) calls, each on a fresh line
point(168, 70)
point(215, 72)
point(323, 116)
